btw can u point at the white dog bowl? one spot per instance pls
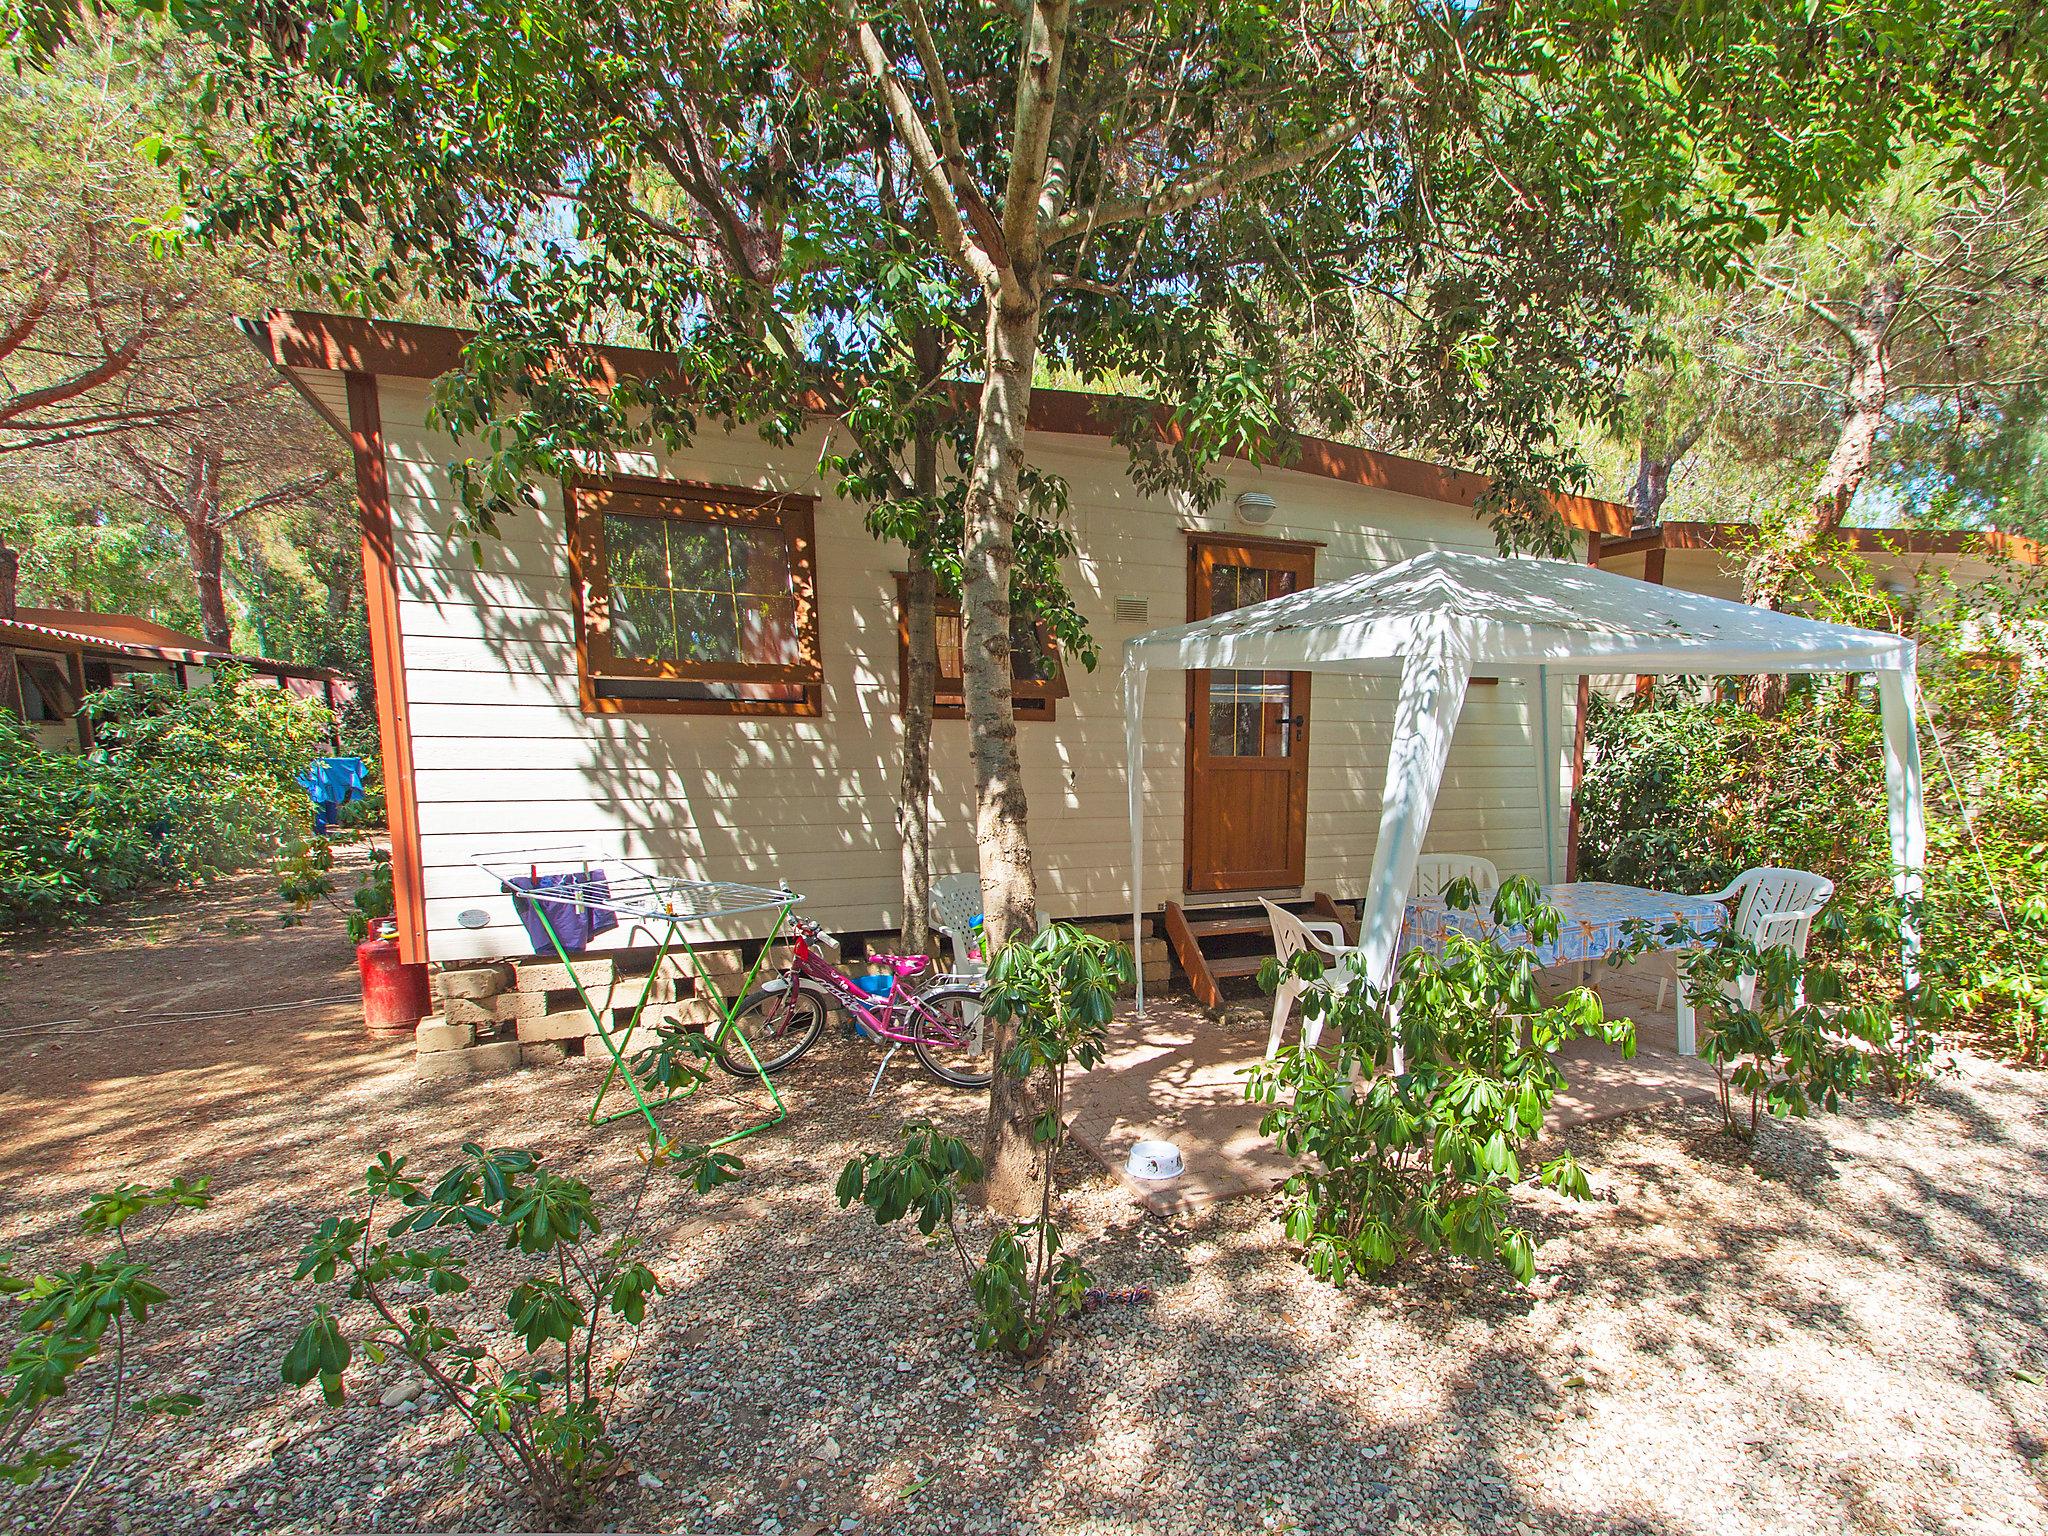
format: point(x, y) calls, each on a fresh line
point(1154, 1160)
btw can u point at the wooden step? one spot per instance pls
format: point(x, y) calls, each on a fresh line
point(1222, 927)
point(1187, 949)
point(1204, 971)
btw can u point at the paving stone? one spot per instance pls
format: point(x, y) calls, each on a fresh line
point(553, 976)
point(481, 1060)
point(470, 1013)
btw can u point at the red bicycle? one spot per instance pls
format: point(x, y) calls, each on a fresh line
point(939, 1019)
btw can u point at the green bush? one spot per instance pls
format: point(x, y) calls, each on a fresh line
point(178, 784)
point(542, 1412)
point(1685, 793)
point(1414, 1130)
point(69, 1318)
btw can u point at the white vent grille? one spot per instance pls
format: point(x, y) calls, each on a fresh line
point(1133, 610)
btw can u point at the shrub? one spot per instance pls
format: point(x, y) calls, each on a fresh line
point(544, 1425)
point(178, 785)
point(306, 875)
point(1687, 792)
point(1420, 1156)
point(69, 1318)
point(1792, 1035)
point(1061, 989)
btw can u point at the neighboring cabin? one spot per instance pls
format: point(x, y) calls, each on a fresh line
point(50, 658)
point(696, 659)
point(1709, 558)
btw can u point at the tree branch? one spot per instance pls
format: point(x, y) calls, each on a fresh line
point(1213, 182)
point(972, 203)
point(917, 143)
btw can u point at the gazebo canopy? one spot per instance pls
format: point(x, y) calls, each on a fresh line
point(1442, 617)
point(1514, 614)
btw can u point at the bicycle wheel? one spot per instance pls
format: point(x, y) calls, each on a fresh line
point(951, 1038)
point(780, 1023)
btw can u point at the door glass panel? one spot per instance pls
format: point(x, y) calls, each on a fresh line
point(1251, 714)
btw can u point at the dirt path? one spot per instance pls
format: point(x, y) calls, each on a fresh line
point(1843, 1333)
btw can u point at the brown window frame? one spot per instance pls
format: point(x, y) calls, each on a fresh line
point(1033, 698)
point(589, 497)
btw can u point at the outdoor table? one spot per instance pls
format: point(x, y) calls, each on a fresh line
point(1596, 920)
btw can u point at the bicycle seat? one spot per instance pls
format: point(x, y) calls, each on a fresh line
point(905, 966)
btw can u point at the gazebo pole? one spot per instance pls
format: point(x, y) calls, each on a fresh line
point(1546, 769)
point(1896, 691)
point(1432, 692)
point(1134, 768)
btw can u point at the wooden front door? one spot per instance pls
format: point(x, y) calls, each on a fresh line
point(1247, 797)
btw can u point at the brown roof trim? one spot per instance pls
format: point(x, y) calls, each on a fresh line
point(302, 339)
point(1882, 541)
point(126, 628)
point(27, 633)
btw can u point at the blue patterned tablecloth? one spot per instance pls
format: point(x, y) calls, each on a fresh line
point(1595, 918)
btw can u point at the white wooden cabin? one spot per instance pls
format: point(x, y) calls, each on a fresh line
point(503, 726)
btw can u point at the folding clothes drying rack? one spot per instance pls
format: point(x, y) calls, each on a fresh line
point(662, 907)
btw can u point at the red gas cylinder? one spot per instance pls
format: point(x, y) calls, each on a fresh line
point(395, 996)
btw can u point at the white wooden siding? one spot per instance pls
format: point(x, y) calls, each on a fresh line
point(504, 757)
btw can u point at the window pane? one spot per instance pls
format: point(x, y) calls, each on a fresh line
point(1028, 659)
point(707, 628)
point(642, 626)
point(634, 552)
point(952, 655)
point(767, 630)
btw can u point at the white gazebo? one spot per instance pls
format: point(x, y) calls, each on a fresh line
point(1441, 618)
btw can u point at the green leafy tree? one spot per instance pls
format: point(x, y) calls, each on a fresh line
point(1257, 215)
point(122, 378)
point(67, 1319)
point(1412, 1133)
point(1689, 791)
point(180, 785)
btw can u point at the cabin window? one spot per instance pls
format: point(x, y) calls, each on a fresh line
point(46, 693)
point(696, 599)
point(1037, 681)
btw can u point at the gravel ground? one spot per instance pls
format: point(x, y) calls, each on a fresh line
point(1840, 1332)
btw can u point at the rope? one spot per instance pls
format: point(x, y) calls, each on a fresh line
point(164, 1016)
point(1969, 825)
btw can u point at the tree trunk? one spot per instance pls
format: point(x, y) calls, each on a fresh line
point(920, 683)
point(208, 554)
point(1866, 394)
point(198, 513)
point(10, 575)
point(1009, 891)
point(1656, 457)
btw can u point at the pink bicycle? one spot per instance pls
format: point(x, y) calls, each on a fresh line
point(939, 1020)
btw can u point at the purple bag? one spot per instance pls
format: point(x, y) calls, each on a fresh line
point(567, 909)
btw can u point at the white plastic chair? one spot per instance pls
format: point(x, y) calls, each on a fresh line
point(1291, 936)
point(955, 904)
point(1773, 908)
point(1434, 873)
